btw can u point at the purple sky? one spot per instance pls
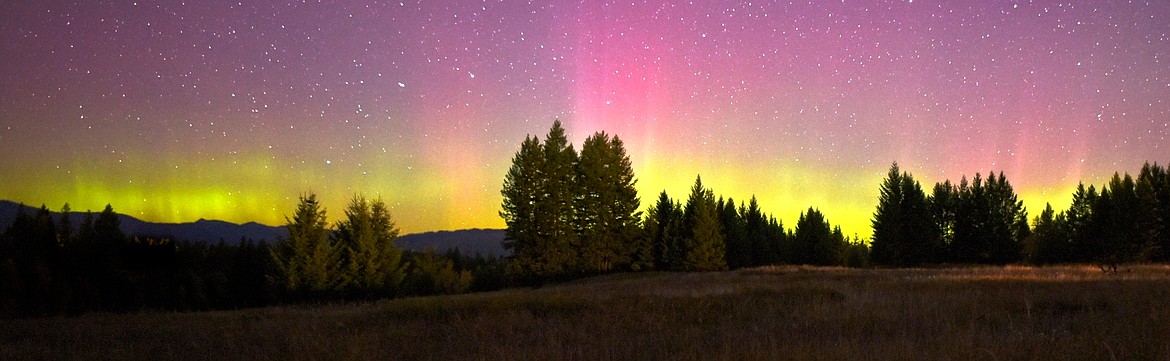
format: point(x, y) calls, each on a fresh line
point(175, 111)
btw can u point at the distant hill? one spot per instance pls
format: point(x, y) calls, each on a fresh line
point(487, 242)
point(201, 230)
point(483, 241)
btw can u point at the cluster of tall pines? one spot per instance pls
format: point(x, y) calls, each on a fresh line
point(982, 221)
point(571, 214)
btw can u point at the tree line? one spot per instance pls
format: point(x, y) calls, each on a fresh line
point(982, 221)
point(52, 267)
point(570, 214)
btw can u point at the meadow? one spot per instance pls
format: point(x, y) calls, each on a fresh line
point(771, 313)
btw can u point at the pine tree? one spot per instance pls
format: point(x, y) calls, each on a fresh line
point(306, 262)
point(606, 200)
point(1082, 234)
point(372, 265)
point(557, 226)
point(1050, 240)
point(703, 242)
point(1008, 221)
point(1121, 219)
point(540, 192)
point(780, 241)
point(108, 228)
point(522, 192)
point(1158, 181)
point(664, 230)
point(816, 242)
point(85, 232)
point(904, 232)
point(944, 203)
point(64, 227)
point(737, 249)
point(762, 250)
point(990, 222)
point(1146, 212)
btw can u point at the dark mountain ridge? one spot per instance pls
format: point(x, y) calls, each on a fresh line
point(472, 241)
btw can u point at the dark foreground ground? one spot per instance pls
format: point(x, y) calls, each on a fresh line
point(985, 313)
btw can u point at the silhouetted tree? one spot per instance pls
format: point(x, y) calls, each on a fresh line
point(1152, 189)
point(663, 227)
point(816, 242)
point(606, 213)
point(539, 195)
point(1123, 222)
point(523, 191)
point(944, 203)
point(306, 262)
point(557, 227)
point(64, 227)
point(371, 265)
point(703, 240)
point(990, 222)
point(856, 253)
point(1082, 234)
point(1050, 241)
point(737, 250)
point(761, 249)
point(904, 231)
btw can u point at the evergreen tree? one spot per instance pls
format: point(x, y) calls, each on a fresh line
point(703, 242)
point(107, 229)
point(1080, 223)
point(1050, 241)
point(372, 265)
point(1159, 179)
point(1123, 223)
point(990, 222)
point(557, 226)
point(816, 242)
point(1148, 212)
point(305, 262)
point(780, 241)
point(607, 205)
point(1008, 220)
point(944, 203)
point(762, 248)
point(85, 231)
point(904, 232)
point(664, 230)
point(108, 268)
point(540, 194)
point(64, 227)
point(856, 253)
point(737, 250)
point(522, 192)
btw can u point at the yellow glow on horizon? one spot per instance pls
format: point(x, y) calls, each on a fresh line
point(461, 190)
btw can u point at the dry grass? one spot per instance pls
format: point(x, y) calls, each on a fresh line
point(989, 313)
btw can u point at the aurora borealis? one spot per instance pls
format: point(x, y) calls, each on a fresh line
point(177, 111)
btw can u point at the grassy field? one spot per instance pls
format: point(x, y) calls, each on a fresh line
point(981, 313)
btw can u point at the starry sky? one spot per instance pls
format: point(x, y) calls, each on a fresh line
point(174, 111)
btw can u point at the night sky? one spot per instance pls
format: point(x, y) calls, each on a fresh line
point(177, 111)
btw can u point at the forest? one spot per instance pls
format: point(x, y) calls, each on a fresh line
point(569, 214)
